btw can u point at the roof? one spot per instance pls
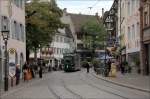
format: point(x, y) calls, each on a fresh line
point(80, 19)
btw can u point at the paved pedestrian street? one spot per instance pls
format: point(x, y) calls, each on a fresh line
point(74, 85)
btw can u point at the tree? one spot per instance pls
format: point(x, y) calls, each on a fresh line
point(42, 22)
point(94, 32)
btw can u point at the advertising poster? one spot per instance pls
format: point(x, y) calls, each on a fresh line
point(12, 65)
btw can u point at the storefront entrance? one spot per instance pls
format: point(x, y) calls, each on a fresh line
point(147, 59)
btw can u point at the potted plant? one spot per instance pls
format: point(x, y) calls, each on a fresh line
point(96, 65)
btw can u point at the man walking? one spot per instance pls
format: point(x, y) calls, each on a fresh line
point(17, 74)
point(40, 71)
point(88, 67)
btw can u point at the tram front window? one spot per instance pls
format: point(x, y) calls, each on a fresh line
point(69, 60)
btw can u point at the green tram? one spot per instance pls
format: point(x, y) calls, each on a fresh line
point(71, 62)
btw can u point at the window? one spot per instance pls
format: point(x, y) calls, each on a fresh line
point(57, 38)
point(15, 30)
point(122, 12)
point(129, 33)
point(137, 3)
point(22, 32)
point(5, 23)
point(133, 6)
point(79, 46)
point(62, 39)
point(65, 40)
point(57, 50)
point(22, 3)
point(62, 50)
point(138, 29)
point(12, 29)
point(145, 19)
point(19, 3)
point(54, 49)
point(128, 8)
point(133, 32)
point(18, 32)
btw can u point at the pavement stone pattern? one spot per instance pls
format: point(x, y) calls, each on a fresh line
point(136, 81)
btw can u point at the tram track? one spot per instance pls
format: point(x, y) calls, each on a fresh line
point(58, 96)
point(101, 89)
point(69, 90)
point(54, 93)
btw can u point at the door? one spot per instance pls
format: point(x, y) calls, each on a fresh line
point(149, 58)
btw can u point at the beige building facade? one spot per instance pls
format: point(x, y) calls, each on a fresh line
point(13, 12)
point(129, 30)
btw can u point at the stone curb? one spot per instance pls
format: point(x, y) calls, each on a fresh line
point(121, 84)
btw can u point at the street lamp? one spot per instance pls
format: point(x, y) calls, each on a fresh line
point(5, 35)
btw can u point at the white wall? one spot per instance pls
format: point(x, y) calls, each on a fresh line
point(12, 12)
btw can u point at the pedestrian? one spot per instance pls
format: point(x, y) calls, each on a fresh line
point(17, 74)
point(60, 66)
point(88, 67)
point(109, 65)
point(49, 67)
point(32, 72)
point(25, 70)
point(122, 68)
point(40, 71)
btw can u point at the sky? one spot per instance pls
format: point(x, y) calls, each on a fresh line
point(83, 6)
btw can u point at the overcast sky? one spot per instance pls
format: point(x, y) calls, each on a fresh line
point(83, 6)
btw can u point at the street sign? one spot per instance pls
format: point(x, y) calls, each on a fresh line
point(12, 62)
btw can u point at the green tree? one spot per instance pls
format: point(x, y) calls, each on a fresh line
point(42, 22)
point(94, 32)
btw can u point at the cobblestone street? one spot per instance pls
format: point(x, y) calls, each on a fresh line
point(77, 85)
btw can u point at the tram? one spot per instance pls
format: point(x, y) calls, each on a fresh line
point(71, 62)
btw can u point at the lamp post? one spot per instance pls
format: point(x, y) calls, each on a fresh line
point(5, 35)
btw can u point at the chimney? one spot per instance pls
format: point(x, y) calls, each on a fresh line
point(102, 12)
point(65, 10)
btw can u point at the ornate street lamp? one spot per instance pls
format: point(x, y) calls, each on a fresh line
point(5, 35)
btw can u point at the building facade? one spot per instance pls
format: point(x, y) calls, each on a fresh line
point(63, 42)
point(110, 20)
point(13, 12)
point(78, 20)
point(145, 36)
point(129, 30)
